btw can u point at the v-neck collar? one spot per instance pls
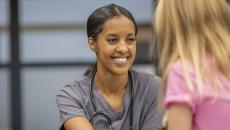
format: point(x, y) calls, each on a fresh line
point(103, 105)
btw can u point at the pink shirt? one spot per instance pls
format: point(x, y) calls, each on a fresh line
point(207, 114)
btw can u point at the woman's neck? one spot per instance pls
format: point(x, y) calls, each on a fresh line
point(109, 83)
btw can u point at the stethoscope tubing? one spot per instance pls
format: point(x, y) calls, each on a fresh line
point(96, 113)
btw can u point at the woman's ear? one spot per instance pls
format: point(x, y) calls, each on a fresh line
point(92, 44)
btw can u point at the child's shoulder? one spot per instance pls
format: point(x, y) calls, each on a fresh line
point(179, 65)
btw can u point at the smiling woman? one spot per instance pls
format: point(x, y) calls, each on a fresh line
point(107, 96)
point(115, 46)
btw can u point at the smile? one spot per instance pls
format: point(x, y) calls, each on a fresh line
point(120, 61)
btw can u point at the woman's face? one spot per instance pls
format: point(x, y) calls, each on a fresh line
point(115, 45)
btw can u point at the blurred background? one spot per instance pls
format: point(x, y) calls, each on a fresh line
point(43, 46)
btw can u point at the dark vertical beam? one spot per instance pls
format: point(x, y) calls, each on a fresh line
point(16, 119)
point(155, 47)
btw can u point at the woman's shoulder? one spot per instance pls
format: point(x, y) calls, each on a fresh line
point(76, 87)
point(143, 76)
point(146, 82)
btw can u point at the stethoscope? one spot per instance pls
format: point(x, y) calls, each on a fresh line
point(101, 113)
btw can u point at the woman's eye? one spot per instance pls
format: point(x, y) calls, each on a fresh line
point(112, 40)
point(131, 40)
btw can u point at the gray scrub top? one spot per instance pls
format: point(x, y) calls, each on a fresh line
point(74, 101)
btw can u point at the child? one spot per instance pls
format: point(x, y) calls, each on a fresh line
point(194, 46)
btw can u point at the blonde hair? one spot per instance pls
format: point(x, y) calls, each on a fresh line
point(188, 30)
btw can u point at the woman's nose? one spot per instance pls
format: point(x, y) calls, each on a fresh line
point(122, 47)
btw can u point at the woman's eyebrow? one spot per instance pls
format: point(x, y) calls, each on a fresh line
point(113, 35)
point(131, 34)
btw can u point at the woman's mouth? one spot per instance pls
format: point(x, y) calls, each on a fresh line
point(120, 61)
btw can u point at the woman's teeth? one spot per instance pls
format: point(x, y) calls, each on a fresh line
point(121, 59)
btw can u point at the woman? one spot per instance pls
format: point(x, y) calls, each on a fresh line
point(111, 96)
point(194, 45)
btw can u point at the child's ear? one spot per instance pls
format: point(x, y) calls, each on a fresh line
point(92, 44)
